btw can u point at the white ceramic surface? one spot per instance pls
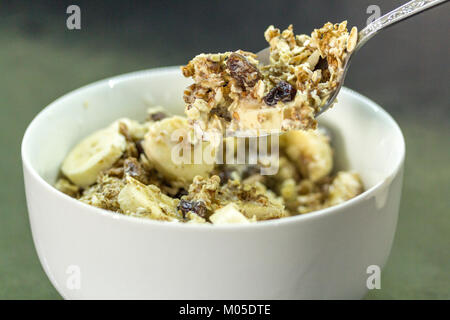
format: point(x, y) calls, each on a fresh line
point(324, 254)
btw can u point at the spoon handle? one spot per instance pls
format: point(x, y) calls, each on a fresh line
point(407, 10)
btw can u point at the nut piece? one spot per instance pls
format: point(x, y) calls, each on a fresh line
point(283, 91)
point(227, 215)
point(352, 39)
point(243, 71)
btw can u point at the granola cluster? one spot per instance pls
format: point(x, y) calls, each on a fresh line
point(233, 91)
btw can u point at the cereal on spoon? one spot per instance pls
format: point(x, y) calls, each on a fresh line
point(232, 91)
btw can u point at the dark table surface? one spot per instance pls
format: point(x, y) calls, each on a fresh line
point(405, 70)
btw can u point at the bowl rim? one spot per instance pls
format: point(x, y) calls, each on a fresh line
point(84, 208)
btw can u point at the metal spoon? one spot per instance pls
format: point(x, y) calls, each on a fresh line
point(401, 13)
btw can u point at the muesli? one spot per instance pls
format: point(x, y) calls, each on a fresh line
point(132, 167)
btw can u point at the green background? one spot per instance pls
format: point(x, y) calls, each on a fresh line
point(406, 70)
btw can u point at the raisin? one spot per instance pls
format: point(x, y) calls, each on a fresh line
point(221, 112)
point(224, 176)
point(139, 147)
point(157, 116)
point(197, 207)
point(242, 71)
point(133, 168)
point(283, 91)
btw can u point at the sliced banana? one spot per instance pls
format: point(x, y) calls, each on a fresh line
point(143, 200)
point(92, 155)
point(169, 146)
point(228, 215)
point(311, 152)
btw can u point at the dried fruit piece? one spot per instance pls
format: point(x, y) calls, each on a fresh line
point(134, 169)
point(157, 116)
point(224, 177)
point(139, 147)
point(283, 91)
point(197, 207)
point(242, 71)
point(221, 112)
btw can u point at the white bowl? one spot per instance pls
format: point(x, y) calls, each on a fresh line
point(92, 253)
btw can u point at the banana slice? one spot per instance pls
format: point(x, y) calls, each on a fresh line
point(137, 198)
point(168, 145)
point(92, 155)
point(311, 152)
point(227, 215)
